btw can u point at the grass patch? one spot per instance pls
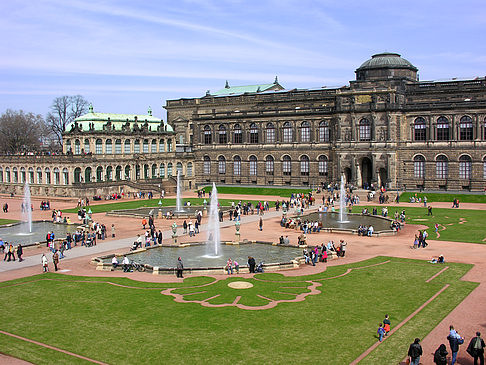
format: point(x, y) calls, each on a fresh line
point(458, 225)
point(286, 193)
point(109, 323)
point(442, 197)
point(7, 221)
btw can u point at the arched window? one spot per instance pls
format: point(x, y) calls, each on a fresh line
point(1, 175)
point(206, 165)
point(154, 171)
point(39, 175)
point(207, 135)
point(77, 147)
point(441, 167)
point(237, 134)
point(15, 175)
point(128, 172)
point(145, 171)
point(287, 165)
point(269, 165)
point(153, 146)
point(99, 173)
point(305, 132)
point(145, 146)
point(65, 176)
point(419, 167)
point(287, 133)
point(323, 132)
point(304, 165)
point(162, 145)
point(69, 148)
point(169, 169)
point(108, 147)
point(162, 171)
point(128, 147)
point(465, 167)
point(87, 175)
point(443, 129)
point(22, 175)
point(270, 133)
point(466, 129)
point(77, 175)
point(419, 129)
point(221, 165)
point(179, 168)
point(253, 165)
point(169, 145)
point(118, 147)
point(364, 130)
point(7, 174)
point(322, 165)
point(189, 169)
point(136, 146)
point(86, 146)
point(57, 176)
point(31, 175)
point(237, 166)
point(223, 137)
point(48, 175)
point(109, 173)
point(118, 173)
point(253, 133)
point(99, 147)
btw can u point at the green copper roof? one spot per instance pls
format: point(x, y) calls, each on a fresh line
point(386, 60)
point(230, 90)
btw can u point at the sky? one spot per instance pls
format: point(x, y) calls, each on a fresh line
point(124, 56)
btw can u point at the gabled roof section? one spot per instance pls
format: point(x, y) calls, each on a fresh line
point(232, 90)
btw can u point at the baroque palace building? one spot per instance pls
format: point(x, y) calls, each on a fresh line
point(385, 128)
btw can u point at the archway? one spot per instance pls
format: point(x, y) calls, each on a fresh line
point(347, 175)
point(382, 177)
point(366, 168)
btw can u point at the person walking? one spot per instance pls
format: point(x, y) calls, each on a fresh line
point(55, 259)
point(113, 230)
point(476, 349)
point(20, 252)
point(454, 341)
point(415, 351)
point(45, 266)
point(260, 224)
point(180, 267)
point(440, 355)
point(251, 264)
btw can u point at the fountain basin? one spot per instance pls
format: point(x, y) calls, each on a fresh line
point(13, 233)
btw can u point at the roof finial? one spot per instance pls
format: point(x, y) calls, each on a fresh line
point(208, 92)
point(258, 90)
point(149, 111)
point(227, 85)
point(276, 80)
point(90, 108)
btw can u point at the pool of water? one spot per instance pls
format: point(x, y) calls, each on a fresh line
point(195, 256)
point(18, 233)
point(331, 220)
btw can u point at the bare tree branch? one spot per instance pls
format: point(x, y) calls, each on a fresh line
point(19, 131)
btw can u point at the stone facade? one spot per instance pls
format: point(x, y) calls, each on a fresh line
point(385, 128)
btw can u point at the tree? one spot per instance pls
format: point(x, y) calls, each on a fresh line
point(64, 110)
point(20, 132)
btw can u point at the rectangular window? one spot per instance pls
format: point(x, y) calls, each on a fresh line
point(222, 167)
point(222, 137)
point(127, 148)
point(305, 134)
point(419, 169)
point(287, 135)
point(323, 134)
point(162, 146)
point(99, 148)
point(145, 147)
point(364, 133)
point(238, 136)
point(237, 168)
point(153, 147)
point(118, 148)
point(270, 135)
point(420, 132)
point(304, 168)
point(287, 168)
point(465, 170)
point(322, 168)
point(253, 168)
point(207, 168)
point(441, 169)
point(169, 145)
point(109, 148)
point(442, 132)
point(269, 167)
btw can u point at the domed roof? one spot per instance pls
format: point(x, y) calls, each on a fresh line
point(386, 60)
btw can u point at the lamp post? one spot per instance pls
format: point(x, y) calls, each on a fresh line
point(160, 209)
point(237, 233)
point(174, 233)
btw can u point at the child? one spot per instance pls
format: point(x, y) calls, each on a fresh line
point(381, 332)
point(387, 324)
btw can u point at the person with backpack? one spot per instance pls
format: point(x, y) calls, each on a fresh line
point(415, 351)
point(381, 332)
point(476, 349)
point(454, 341)
point(440, 355)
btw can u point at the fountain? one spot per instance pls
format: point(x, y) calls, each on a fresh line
point(26, 227)
point(213, 225)
point(178, 199)
point(343, 216)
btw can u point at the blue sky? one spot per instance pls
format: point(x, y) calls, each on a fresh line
point(126, 55)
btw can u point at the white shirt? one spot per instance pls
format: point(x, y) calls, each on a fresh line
point(126, 261)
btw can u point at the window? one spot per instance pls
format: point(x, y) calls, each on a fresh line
point(419, 167)
point(169, 169)
point(128, 147)
point(287, 132)
point(7, 174)
point(419, 129)
point(269, 165)
point(31, 175)
point(127, 172)
point(99, 147)
point(189, 169)
point(118, 173)
point(442, 129)
point(153, 146)
point(39, 175)
point(484, 130)
point(145, 146)
point(466, 129)
point(179, 168)
point(161, 145)
point(136, 146)
point(237, 166)
point(305, 132)
point(323, 132)
point(441, 167)
point(57, 176)
point(253, 165)
point(364, 130)
point(109, 173)
point(162, 171)
point(65, 176)
point(48, 175)
point(108, 147)
point(465, 167)
point(304, 166)
point(270, 133)
point(68, 146)
point(87, 175)
point(287, 166)
point(22, 175)
point(207, 135)
point(207, 165)
point(169, 145)
point(154, 171)
point(221, 165)
point(484, 168)
point(322, 165)
point(15, 175)
point(77, 147)
point(1, 175)
point(99, 173)
point(118, 146)
point(86, 146)
point(238, 136)
point(253, 133)
point(223, 138)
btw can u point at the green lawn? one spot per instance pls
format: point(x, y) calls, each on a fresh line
point(257, 191)
point(114, 324)
point(152, 203)
point(442, 197)
point(459, 225)
point(7, 221)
